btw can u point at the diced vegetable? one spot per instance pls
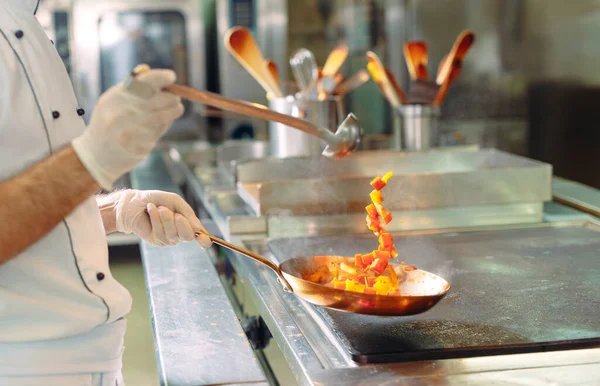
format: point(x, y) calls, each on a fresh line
point(393, 276)
point(348, 269)
point(367, 259)
point(372, 211)
point(339, 284)
point(387, 176)
point(385, 241)
point(386, 216)
point(376, 197)
point(379, 265)
point(383, 285)
point(378, 183)
point(358, 261)
point(352, 285)
point(377, 254)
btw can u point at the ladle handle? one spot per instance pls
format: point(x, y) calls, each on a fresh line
point(256, 257)
point(249, 109)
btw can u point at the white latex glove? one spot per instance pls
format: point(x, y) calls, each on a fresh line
point(160, 218)
point(124, 127)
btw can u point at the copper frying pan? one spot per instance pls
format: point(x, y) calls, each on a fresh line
point(420, 290)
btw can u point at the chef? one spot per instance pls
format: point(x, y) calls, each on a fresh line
point(61, 311)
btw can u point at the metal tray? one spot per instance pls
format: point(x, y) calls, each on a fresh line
point(436, 179)
point(518, 289)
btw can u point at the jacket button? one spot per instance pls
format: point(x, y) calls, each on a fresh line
point(55, 114)
point(52, 41)
point(19, 34)
point(80, 112)
point(100, 276)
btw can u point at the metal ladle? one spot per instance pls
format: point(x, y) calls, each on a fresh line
point(339, 144)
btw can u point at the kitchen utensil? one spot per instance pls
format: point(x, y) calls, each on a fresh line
point(332, 65)
point(395, 84)
point(339, 144)
point(352, 83)
point(461, 46)
point(425, 289)
point(305, 70)
point(285, 142)
point(419, 127)
point(272, 67)
point(240, 43)
point(415, 54)
point(454, 72)
point(380, 77)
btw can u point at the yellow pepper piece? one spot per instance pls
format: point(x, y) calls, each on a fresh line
point(383, 285)
point(386, 177)
point(352, 285)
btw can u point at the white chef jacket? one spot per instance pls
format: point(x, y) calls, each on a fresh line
point(61, 311)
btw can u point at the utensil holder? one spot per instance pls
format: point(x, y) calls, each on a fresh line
point(419, 129)
point(288, 142)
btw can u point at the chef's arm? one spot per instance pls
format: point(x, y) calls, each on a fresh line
point(35, 201)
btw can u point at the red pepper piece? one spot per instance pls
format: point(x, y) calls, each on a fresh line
point(378, 183)
point(372, 211)
point(379, 265)
point(367, 259)
point(381, 254)
point(358, 261)
point(386, 242)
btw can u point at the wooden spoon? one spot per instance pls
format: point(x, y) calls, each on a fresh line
point(352, 83)
point(334, 62)
point(441, 95)
point(415, 54)
point(461, 46)
point(396, 85)
point(272, 67)
point(240, 43)
point(380, 77)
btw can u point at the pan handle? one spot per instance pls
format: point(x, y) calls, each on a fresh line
point(256, 257)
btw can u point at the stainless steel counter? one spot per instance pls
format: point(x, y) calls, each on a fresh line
point(316, 357)
point(198, 338)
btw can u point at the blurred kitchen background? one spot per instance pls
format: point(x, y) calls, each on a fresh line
point(530, 85)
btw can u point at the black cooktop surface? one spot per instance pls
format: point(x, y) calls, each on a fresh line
point(520, 290)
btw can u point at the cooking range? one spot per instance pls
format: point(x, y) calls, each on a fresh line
point(529, 289)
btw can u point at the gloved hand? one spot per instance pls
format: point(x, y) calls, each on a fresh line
point(124, 128)
point(160, 218)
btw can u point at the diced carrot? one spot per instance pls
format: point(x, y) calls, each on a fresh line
point(372, 211)
point(387, 176)
point(367, 259)
point(376, 197)
point(358, 261)
point(386, 241)
point(378, 183)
